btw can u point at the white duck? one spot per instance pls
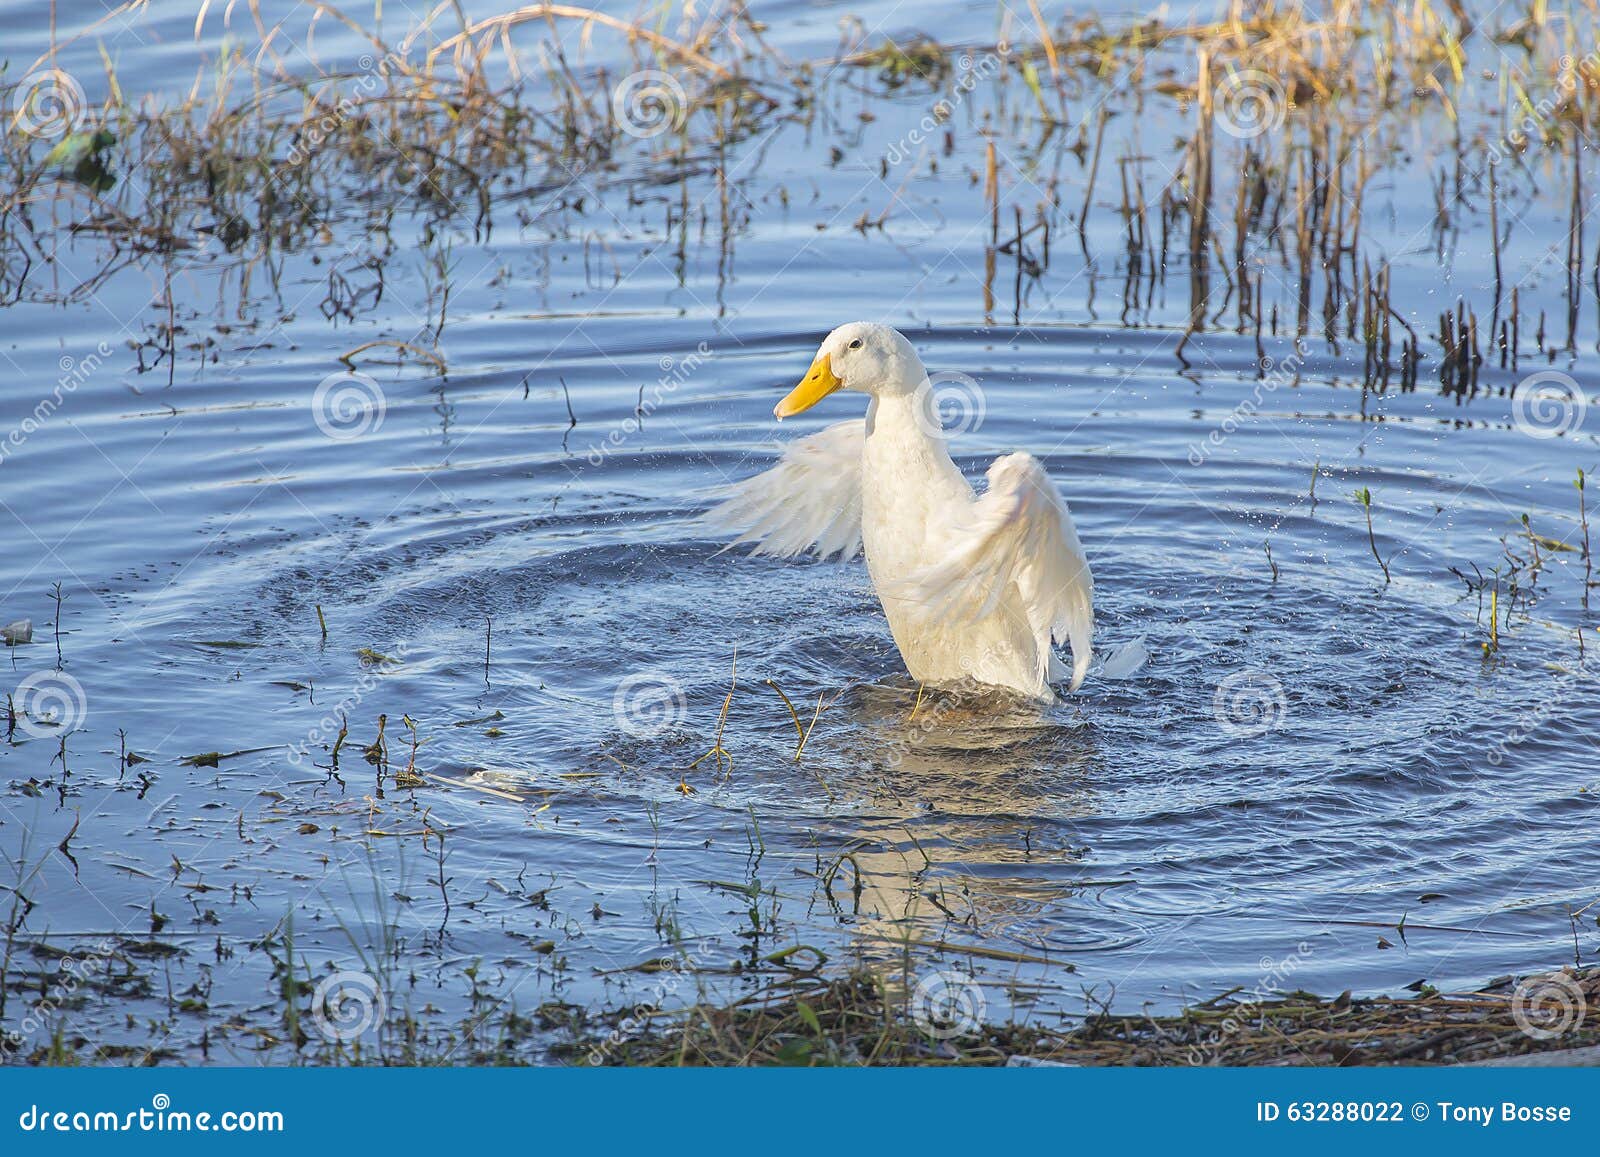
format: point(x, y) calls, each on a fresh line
point(974, 586)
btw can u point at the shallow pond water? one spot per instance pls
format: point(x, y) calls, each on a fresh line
point(1320, 779)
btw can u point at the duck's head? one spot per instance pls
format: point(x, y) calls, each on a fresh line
point(864, 356)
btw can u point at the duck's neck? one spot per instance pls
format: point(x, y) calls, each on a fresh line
point(906, 454)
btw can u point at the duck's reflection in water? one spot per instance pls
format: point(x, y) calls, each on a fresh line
point(966, 851)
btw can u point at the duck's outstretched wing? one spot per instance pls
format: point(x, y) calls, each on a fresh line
point(811, 500)
point(1016, 543)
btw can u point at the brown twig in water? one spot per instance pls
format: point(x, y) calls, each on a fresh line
point(348, 357)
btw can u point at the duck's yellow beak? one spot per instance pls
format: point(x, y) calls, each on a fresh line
point(819, 382)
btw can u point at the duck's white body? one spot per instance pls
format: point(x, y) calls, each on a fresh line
point(974, 586)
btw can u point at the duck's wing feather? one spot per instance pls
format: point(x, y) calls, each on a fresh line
point(1016, 542)
point(811, 500)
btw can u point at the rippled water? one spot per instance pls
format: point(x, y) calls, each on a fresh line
point(508, 559)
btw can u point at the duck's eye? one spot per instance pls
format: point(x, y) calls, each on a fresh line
point(855, 345)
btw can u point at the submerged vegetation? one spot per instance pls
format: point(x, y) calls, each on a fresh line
point(864, 1020)
point(488, 124)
